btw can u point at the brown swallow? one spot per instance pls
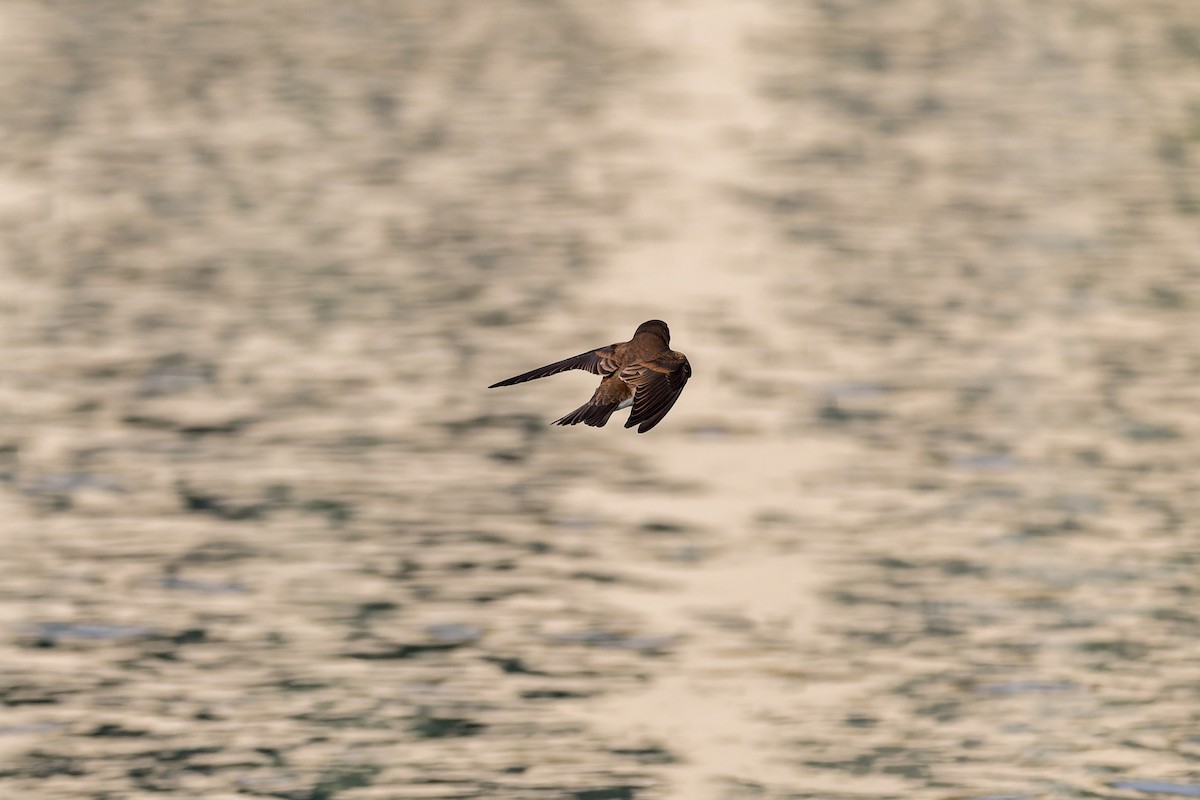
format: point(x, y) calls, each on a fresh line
point(644, 373)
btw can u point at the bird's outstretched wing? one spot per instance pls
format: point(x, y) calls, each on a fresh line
point(656, 384)
point(598, 362)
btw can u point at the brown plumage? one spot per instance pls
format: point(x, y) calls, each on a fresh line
point(643, 372)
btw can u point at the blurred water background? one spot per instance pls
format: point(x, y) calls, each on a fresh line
point(921, 526)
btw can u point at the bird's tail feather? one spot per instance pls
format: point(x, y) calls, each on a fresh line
point(589, 414)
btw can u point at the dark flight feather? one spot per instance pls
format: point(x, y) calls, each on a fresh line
point(657, 385)
point(597, 362)
point(594, 414)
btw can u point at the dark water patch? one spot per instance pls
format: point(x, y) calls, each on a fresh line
point(406, 569)
point(746, 789)
point(1021, 650)
point(189, 636)
point(71, 482)
point(397, 652)
point(372, 609)
point(1079, 504)
point(440, 637)
point(942, 710)
point(713, 431)
point(42, 764)
point(454, 633)
point(619, 792)
point(555, 694)
point(174, 755)
point(493, 595)
point(511, 665)
point(198, 502)
point(957, 567)
point(228, 427)
point(1159, 787)
point(991, 493)
point(775, 516)
point(50, 634)
point(662, 526)
point(177, 584)
point(281, 784)
point(55, 493)
point(292, 684)
point(575, 523)
point(218, 551)
point(32, 727)
point(1150, 432)
point(781, 202)
point(849, 597)
point(940, 626)
point(336, 511)
point(1173, 614)
point(362, 441)
point(1164, 296)
point(854, 391)
point(1049, 530)
point(860, 721)
point(685, 554)
point(649, 645)
point(528, 424)
point(9, 461)
point(861, 764)
point(947, 567)
point(466, 565)
point(986, 462)
point(20, 694)
point(280, 494)
point(164, 770)
point(647, 755)
point(1028, 687)
point(1124, 649)
point(879, 637)
point(594, 577)
point(148, 422)
point(350, 720)
point(333, 782)
point(884, 760)
point(273, 756)
point(648, 485)
point(176, 373)
point(429, 726)
point(838, 413)
point(115, 730)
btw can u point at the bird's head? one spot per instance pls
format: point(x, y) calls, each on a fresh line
point(657, 327)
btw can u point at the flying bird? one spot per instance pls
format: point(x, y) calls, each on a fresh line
point(644, 373)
